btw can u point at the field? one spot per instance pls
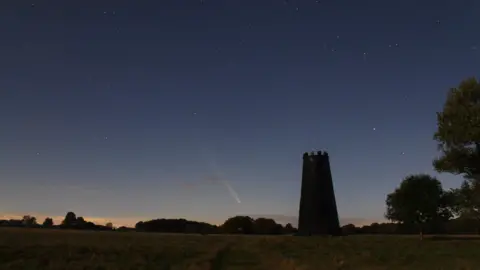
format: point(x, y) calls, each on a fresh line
point(52, 249)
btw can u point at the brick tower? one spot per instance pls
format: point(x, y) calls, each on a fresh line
point(318, 209)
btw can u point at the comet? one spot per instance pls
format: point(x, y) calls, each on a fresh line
point(217, 177)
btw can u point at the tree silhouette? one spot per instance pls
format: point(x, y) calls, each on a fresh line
point(238, 225)
point(48, 222)
point(266, 226)
point(458, 137)
point(80, 221)
point(29, 221)
point(70, 220)
point(420, 199)
point(458, 131)
point(175, 226)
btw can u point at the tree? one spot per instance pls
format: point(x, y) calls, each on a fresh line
point(175, 226)
point(458, 131)
point(29, 221)
point(458, 137)
point(238, 225)
point(266, 226)
point(420, 199)
point(109, 225)
point(48, 222)
point(70, 220)
point(80, 221)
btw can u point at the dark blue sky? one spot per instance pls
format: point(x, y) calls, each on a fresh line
point(142, 109)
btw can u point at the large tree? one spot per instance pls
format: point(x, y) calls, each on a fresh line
point(458, 131)
point(458, 137)
point(70, 220)
point(238, 225)
point(29, 221)
point(266, 226)
point(420, 199)
point(48, 223)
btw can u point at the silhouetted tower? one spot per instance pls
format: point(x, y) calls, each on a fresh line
point(318, 209)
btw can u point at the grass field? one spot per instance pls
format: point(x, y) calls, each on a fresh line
point(52, 249)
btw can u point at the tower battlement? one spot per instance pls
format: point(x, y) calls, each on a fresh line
point(315, 154)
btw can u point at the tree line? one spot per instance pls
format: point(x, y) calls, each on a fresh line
point(233, 225)
point(418, 205)
point(241, 225)
point(71, 221)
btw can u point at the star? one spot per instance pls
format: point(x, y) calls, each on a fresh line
point(38, 154)
point(105, 138)
point(374, 129)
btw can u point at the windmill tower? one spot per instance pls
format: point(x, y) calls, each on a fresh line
point(318, 208)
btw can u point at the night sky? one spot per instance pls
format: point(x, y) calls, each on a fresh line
point(129, 110)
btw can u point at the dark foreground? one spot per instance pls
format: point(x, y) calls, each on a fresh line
point(51, 249)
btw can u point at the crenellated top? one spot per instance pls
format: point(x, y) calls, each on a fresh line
point(315, 154)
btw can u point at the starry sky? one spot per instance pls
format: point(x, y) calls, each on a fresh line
point(133, 110)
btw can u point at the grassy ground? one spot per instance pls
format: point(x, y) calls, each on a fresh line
point(51, 249)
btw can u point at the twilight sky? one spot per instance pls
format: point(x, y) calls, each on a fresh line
point(129, 110)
